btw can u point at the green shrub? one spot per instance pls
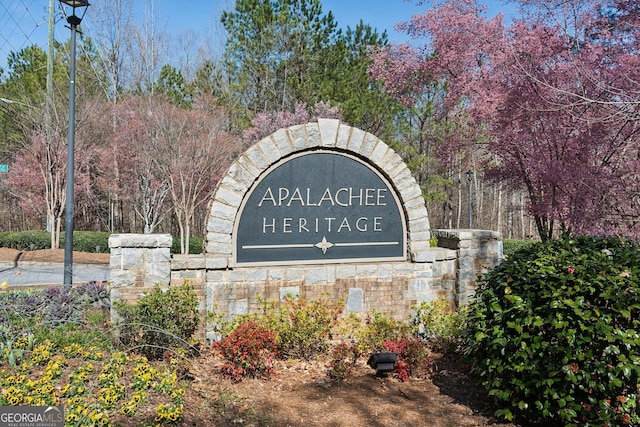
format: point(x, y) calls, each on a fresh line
point(371, 332)
point(89, 241)
point(303, 328)
point(510, 246)
point(26, 240)
point(161, 320)
point(439, 323)
point(553, 332)
point(195, 245)
point(83, 241)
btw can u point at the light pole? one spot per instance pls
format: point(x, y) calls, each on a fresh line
point(469, 181)
point(73, 21)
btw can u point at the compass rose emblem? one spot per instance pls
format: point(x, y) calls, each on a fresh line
point(324, 245)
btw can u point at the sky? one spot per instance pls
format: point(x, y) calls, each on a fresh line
point(24, 22)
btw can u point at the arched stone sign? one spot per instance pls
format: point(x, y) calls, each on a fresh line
point(320, 206)
point(224, 230)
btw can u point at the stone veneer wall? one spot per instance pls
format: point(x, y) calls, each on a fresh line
point(390, 287)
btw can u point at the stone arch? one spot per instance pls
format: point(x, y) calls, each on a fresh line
point(328, 134)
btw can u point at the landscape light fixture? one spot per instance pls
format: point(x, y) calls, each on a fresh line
point(383, 362)
point(73, 21)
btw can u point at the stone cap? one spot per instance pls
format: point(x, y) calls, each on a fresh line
point(128, 240)
point(467, 234)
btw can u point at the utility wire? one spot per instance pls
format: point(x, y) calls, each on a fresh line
point(20, 25)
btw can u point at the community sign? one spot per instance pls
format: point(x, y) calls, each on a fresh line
point(320, 206)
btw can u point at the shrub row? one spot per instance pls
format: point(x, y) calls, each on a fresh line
point(511, 246)
point(196, 245)
point(301, 329)
point(83, 241)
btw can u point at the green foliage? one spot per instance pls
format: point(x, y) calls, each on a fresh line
point(91, 331)
point(89, 241)
point(163, 319)
point(439, 323)
point(172, 84)
point(509, 246)
point(376, 328)
point(279, 53)
point(22, 240)
point(554, 333)
point(303, 328)
point(83, 241)
point(195, 245)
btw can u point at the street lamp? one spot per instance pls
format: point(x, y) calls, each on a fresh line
point(470, 203)
point(73, 21)
point(6, 101)
point(11, 101)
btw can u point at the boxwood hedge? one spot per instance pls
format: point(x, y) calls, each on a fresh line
point(83, 241)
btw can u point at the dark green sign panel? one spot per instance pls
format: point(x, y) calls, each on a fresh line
point(320, 207)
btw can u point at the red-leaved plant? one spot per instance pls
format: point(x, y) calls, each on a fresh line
point(249, 350)
point(413, 360)
point(343, 360)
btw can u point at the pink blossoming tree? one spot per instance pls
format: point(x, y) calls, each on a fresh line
point(553, 98)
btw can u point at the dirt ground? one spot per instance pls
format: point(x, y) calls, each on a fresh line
point(302, 394)
point(52, 255)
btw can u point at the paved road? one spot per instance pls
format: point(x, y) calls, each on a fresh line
point(41, 273)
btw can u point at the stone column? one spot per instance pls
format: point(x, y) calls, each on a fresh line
point(138, 261)
point(478, 252)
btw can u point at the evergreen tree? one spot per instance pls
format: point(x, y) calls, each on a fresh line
point(283, 52)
